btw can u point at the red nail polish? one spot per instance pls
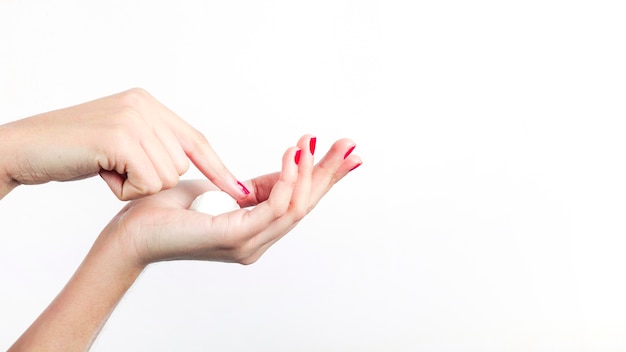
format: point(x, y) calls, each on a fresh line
point(243, 188)
point(355, 166)
point(349, 151)
point(312, 145)
point(296, 158)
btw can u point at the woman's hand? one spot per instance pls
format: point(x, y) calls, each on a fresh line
point(134, 142)
point(161, 227)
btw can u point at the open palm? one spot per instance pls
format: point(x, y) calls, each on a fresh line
point(161, 227)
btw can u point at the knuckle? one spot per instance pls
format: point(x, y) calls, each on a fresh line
point(131, 117)
point(296, 211)
point(239, 255)
point(126, 124)
point(129, 193)
point(299, 213)
point(244, 252)
point(128, 114)
point(249, 260)
point(135, 97)
point(131, 105)
point(182, 166)
point(279, 209)
point(198, 138)
point(124, 196)
point(169, 180)
point(249, 257)
point(197, 143)
point(150, 187)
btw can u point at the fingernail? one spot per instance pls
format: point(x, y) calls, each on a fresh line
point(296, 158)
point(349, 151)
point(312, 145)
point(243, 188)
point(355, 166)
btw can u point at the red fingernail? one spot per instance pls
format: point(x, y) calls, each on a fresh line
point(296, 158)
point(349, 151)
point(243, 188)
point(355, 166)
point(312, 145)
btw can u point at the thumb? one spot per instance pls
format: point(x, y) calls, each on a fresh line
point(122, 186)
point(115, 181)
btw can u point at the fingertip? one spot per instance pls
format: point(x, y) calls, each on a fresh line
point(350, 163)
point(243, 188)
point(307, 142)
point(279, 197)
point(291, 159)
point(349, 151)
point(297, 156)
point(312, 144)
point(355, 166)
point(182, 165)
point(234, 188)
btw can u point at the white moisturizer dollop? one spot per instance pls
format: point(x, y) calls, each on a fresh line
point(214, 203)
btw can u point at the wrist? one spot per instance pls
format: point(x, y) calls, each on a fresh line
point(6, 185)
point(7, 158)
point(112, 245)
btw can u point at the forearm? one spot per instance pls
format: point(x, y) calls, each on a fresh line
point(75, 317)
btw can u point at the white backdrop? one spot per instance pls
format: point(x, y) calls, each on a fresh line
point(488, 214)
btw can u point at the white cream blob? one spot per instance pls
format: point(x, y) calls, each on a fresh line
point(214, 203)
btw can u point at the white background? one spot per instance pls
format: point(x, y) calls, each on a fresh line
point(489, 213)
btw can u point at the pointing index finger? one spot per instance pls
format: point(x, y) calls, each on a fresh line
point(202, 155)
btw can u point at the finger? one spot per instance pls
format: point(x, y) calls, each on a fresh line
point(335, 165)
point(174, 149)
point(299, 203)
point(206, 237)
point(138, 177)
point(161, 161)
point(332, 168)
point(338, 152)
point(114, 180)
point(202, 155)
point(279, 199)
point(260, 188)
point(199, 151)
point(351, 163)
point(231, 236)
point(154, 131)
point(300, 197)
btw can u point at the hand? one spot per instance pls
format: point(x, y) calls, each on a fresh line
point(161, 227)
point(135, 143)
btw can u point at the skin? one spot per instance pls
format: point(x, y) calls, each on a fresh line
point(159, 227)
point(134, 142)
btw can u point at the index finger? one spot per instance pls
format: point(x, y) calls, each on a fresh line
point(202, 155)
